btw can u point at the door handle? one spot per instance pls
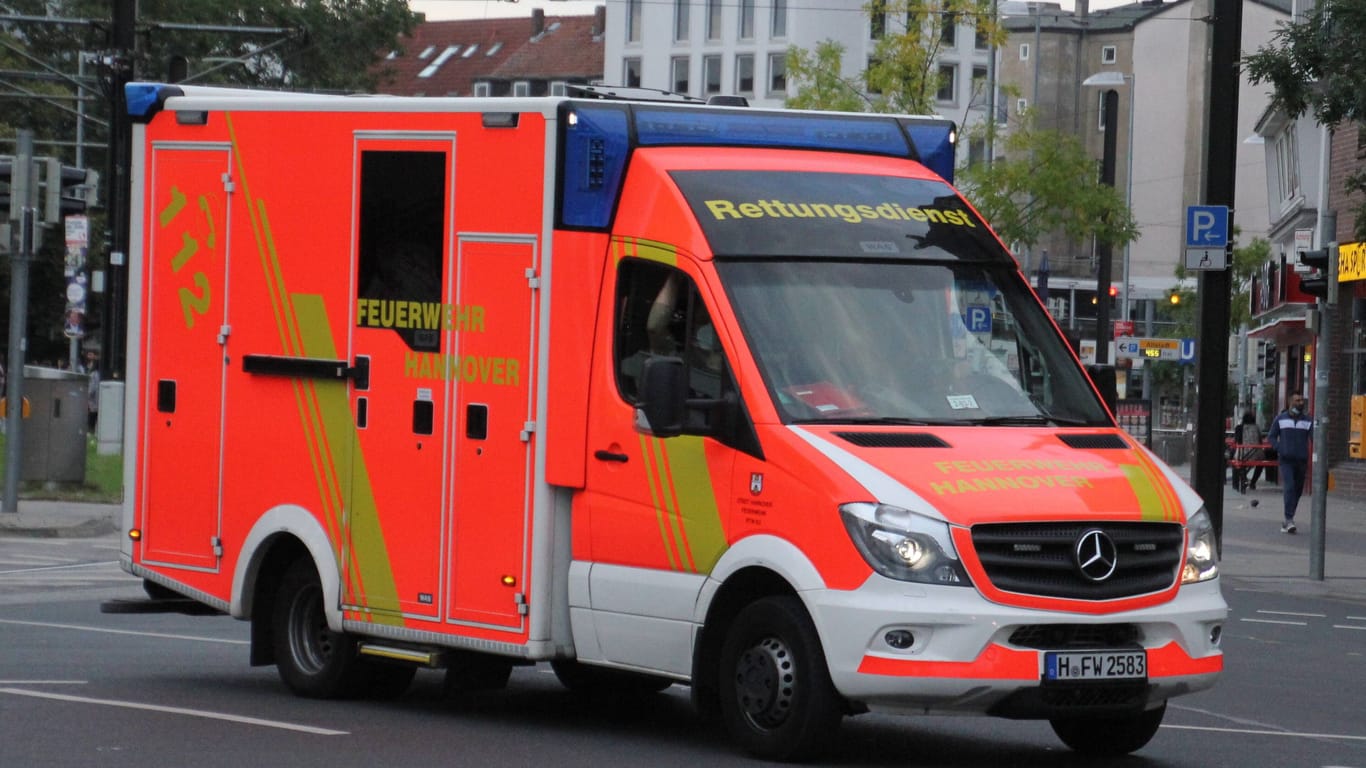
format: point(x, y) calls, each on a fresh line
point(620, 458)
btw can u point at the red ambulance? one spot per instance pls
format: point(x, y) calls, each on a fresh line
point(750, 401)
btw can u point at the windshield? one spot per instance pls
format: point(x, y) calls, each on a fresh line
point(847, 341)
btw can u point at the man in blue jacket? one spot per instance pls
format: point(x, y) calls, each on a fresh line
point(1289, 435)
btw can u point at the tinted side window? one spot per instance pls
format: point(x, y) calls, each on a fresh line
point(402, 197)
point(659, 312)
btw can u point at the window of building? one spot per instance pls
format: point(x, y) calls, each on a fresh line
point(681, 19)
point(714, 19)
point(633, 21)
point(521, 88)
point(778, 22)
point(979, 82)
point(482, 89)
point(877, 19)
point(559, 88)
point(744, 73)
point(1108, 54)
point(746, 19)
point(679, 65)
point(1100, 113)
point(868, 73)
point(631, 73)
point(1021, 106)
point(1024, 51)
point(948, 34)
point(777, 74)
point(711, 74)
point(948, 82)
point(1287, 164)
point(979, 39)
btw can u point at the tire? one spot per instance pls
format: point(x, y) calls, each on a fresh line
point(1109, 736)
point(313, 661)
point(777, 701)
point(593, 680)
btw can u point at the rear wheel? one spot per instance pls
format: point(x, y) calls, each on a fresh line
point(313, 660)
point(777, 701)
point(1109, 736)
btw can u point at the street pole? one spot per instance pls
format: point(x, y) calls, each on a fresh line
point(1104, 251)
point(23, 194)
point(113, 329)
point(1212, 357)
point(1318, 498)
point(1129, 191)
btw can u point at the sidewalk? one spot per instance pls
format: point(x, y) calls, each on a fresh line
point(1256, 555)
point(60, 520)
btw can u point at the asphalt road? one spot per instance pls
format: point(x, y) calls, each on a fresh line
point(81, 688)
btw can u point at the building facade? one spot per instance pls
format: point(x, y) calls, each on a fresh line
point(705, 48)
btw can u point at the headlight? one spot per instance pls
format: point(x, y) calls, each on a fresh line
point(900, 544)
point(1202, 562)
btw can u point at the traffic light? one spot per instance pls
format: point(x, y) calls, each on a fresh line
point(1320, 282)
point(67, 190)
point(1174, 297)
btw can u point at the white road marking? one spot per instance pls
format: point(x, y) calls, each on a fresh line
point(1347, 626)
point(178, 711)
point(124, 632)
point(1292, 613)
point(1266, 732)
point(1276, 621)
point(59, 567)
point(44, 682)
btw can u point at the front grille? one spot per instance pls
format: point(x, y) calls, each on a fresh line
point(1040, 558)
point(1061, 637)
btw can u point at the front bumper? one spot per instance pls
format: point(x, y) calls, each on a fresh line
point(962, 658)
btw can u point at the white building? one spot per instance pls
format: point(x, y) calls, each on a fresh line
point(739, 47)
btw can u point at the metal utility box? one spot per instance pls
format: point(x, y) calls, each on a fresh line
point(55, 433)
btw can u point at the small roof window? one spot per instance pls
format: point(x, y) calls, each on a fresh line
point(445, 56)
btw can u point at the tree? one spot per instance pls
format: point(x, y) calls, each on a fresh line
point(1046, 182)
point(1315, 65)
point(902, 75)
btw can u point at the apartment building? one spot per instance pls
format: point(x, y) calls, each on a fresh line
point(705, 48)
point(1153, 54)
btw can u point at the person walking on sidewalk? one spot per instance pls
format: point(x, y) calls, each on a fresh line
point(1249, 439)
point(1289, 435)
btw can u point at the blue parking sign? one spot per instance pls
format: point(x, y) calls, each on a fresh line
point(978, 318)
point(1206, 226)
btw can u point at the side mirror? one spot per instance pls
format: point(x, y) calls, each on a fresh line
point(1103, 376)
point(663, 397)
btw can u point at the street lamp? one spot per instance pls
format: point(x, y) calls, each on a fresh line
point(1112, 79)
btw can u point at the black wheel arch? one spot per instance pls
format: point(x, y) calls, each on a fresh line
point(742, 588)
point(272, 561)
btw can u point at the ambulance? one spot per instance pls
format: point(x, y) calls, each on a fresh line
point(654, 393)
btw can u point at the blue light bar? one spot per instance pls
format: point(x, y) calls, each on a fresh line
point(934, 139)
point(596, 142)
point(841, 133)
point(141, 98)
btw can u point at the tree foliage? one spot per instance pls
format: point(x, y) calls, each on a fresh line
point(1314, 66)
point(903, 74)
point(1045, 183)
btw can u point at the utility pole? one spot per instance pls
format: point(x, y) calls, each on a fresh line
point(113, 328)
point(24, 221)
point(1104, 251)
point(1212, 358)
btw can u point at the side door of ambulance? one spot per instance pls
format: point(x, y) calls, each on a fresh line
point(654, 504)
point(400, 340)
point(183, 370)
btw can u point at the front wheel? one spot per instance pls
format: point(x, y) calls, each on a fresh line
point(777, 701)
point(1109, 736)
point(313, 660)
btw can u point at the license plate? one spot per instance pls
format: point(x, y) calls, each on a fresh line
point(1095, 665)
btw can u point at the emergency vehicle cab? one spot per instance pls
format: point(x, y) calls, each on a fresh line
point(751, 401)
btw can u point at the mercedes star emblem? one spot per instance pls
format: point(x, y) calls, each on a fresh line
point(1096, 555)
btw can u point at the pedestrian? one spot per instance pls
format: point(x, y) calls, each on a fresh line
point(92, 368)
point(1249, 449)
point(1289, 435)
